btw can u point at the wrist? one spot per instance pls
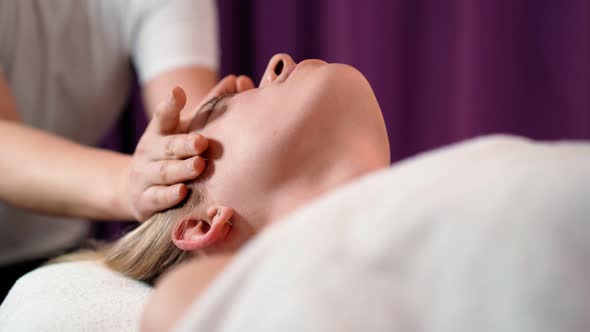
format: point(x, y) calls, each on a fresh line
point(120, 200)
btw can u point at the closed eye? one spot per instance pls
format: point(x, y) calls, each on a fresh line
point(209, 106)
point(218, 107)
point(205, 111)
point(213, 108)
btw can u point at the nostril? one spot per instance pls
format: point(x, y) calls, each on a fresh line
point(279, 67)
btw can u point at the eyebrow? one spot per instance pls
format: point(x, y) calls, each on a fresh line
point(210, 104)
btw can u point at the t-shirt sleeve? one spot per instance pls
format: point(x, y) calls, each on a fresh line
point(165, 35)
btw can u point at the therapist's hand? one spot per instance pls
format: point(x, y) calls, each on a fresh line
point(165, 157)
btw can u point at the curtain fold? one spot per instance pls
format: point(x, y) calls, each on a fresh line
point(442, 71)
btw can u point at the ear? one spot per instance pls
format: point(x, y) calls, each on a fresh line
point(191, 234)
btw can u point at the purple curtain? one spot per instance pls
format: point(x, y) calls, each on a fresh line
point(442, 71)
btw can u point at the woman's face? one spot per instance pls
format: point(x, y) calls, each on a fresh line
point(301, 115)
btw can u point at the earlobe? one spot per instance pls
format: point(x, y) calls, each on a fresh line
point(191, 234)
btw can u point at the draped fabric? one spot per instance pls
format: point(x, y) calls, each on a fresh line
point(442, 71)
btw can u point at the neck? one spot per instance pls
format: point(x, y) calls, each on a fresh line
point(317, 181)
point(313, 177)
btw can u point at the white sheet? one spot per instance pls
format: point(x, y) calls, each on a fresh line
point(490, 235)
point(79, 296)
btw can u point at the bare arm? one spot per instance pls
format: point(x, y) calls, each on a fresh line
point(49, 174)
point(196, 82)
point(46, 173)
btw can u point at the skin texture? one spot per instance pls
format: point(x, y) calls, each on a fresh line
point(169, 302)
point(298, 135)
point(303, 132)
point(122, 186)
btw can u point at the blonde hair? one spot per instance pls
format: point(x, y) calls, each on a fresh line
point(148, 251)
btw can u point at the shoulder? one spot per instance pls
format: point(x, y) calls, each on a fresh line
point(166, 35)
point(74, 296)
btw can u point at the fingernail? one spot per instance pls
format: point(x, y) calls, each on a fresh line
point(193, 166)
point(198, 166)
point(181, 190)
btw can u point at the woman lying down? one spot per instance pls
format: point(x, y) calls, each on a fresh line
point(487, 235)
point(307, 129)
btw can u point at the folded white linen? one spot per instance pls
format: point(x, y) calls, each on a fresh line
point(488, 235)
point(77, 296)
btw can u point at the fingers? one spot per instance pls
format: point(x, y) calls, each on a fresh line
point(167, 172)
point(226, 86)
point(179, 146)
point(244, 83)
point(168, 113)
point(158, 198)
point(231, 84)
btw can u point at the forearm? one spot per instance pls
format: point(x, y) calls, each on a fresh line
point(49, 174)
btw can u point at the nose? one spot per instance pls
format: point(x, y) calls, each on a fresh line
point(277, 69)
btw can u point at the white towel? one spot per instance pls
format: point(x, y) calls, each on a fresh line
point(77, 296)
point(490, 235)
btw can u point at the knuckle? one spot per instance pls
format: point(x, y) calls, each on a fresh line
point(140, 149)
point(166, 196)
point(163, 171)
point(144, 204)
point(153, 198)
point(169, 148)
point(189, 143)
point(145, 144)
point(179, 147)
point(134, 172)
point(173, 195)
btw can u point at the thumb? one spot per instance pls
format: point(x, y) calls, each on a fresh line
point(168, 113)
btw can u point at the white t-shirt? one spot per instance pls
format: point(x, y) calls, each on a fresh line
point(68, 64)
